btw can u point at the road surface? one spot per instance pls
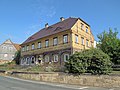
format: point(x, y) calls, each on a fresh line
point(10, 83)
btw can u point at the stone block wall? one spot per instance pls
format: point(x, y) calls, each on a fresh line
point(85, 80)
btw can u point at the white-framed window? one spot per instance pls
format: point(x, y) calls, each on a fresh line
point(86, 29)
point(87, 43)
point(46, 43)
point(55, 41)
point(91, 44)
point(65, 38)
point(13, 56)
point(10, 49)
point(39, 44)
point(66, 57)
point(32, 60)
point(40, 59)
point(27, 60)
point(76, 38)
point(55, 58)
point(23, 48)
point(47, 58)
point(27, 48)
point(33, 46)
point(82, 26)
point(4, 47)
point(23, 61)
point(82, 40)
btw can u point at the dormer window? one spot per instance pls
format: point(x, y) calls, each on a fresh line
point(30, 38)
point(58, 28)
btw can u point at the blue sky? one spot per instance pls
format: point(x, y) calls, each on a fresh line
point(21, 18)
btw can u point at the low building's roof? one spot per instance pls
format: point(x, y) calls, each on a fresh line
point(9, 42)
point(17, 46)
point(53, 29)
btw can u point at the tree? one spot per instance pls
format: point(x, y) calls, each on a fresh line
point(110, 44)
point(17, 57)
point(93, 61)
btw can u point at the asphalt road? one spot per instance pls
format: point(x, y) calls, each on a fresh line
point(9, 83)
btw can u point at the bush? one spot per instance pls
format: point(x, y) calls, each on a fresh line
point(77, 63)
point(93, 61)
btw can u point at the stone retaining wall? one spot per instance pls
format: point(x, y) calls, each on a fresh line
point(86, 80)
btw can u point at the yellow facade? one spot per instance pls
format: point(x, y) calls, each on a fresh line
point(51, 47)
point(79, 38)
point(81, 32)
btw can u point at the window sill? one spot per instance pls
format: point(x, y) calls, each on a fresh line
point(83, 44)
point(65, 42)
point(76, 42)
point(55, 45)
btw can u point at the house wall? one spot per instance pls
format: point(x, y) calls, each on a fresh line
point(51, 47)
point(60, 49)
point(7, 51)
point(81, 32)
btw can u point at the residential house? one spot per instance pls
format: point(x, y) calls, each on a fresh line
point(54, 44)
point(7, 51)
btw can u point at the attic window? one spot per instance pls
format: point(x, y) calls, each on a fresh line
point(30, 38)
point(58, 28)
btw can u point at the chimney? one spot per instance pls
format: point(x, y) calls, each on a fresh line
point(46, 25)
point(62, 19)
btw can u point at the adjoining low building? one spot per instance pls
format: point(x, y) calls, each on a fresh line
point(7, 51)
point(54, 44)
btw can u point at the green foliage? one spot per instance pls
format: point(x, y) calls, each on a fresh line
point(110, 44)
point(99, 62)
point(17, 57)
point(93, 61)
point(77, 63)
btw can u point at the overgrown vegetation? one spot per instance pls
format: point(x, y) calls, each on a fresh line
point(12, 66)
point(92, 61)
point(17, 57)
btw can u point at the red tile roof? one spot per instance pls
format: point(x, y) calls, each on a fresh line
point(53, 29)
point(17, 46)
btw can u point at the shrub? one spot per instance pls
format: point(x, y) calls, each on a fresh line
point(93, 61)
point(99, 62)
point(76, 64)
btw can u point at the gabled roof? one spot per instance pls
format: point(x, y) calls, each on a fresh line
point(8, 41)
point(17, 46)
point(53, 29)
